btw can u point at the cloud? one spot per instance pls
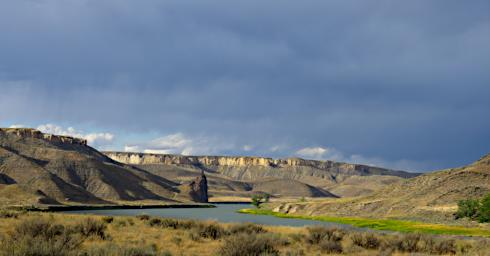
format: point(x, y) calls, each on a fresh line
point(399, 81)
point(178, 143)
point(17, 126)
point(247, 148)
point(93, 139)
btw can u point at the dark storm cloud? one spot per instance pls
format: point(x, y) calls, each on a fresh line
point(389, 79)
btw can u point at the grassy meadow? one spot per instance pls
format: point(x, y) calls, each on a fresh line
point(384, 224)
point(37, 233)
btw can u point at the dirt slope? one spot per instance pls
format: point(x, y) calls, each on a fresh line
point(432, 195)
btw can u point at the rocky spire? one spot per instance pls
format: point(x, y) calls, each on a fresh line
point(199, 189)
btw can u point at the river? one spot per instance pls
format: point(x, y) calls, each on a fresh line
point(221, 213)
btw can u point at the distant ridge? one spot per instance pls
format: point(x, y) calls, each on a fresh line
point(240, 175)
point(241, 161)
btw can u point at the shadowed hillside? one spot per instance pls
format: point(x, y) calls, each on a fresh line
point(66, 170)
point(432, 195)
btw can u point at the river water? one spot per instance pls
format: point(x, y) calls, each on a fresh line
point(222, 213)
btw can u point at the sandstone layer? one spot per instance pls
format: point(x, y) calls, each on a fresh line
point(240, 176)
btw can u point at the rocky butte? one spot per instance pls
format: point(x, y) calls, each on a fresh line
point(246, 161)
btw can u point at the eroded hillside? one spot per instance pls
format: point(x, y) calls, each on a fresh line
point(61, 169)
point(432, 195)
point(238, 176)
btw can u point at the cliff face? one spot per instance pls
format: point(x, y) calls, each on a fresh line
point(244, 162)
point(35, 134)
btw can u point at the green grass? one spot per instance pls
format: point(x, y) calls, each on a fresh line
point(383, 224)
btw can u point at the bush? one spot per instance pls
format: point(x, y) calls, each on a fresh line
point(484, 210)
point(410, 242)
point(40, 237)
point(475, 209)
point(468, 208)
point(246, 245)
point(8, 214)
point(366, 240)
point(318, 234)
point(143, 217)
point(90, 227)
point(155, 222)
point(116, 250)
point(108, 219)
point(247, 228)
point(330, 246)
point(444, 247)
point(213, 231)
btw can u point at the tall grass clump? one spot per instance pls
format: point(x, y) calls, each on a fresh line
point(366, 240)
point(91, 227)
point(248, 244)
point(247, 228)
point(328, 239)
point(210, 230)
point(111, 249)
point(6, 214)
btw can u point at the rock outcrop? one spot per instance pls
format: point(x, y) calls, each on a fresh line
point(245, 161)
point(198, 189)
point(35, 134)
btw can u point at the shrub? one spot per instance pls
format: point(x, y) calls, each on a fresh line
point(409, 242)
point(484, 210)
point(155, 222)
point(475, 209)
point(259, 199)
point(143, 217)
point(108, 219)
point(366, 240)
point(444, 247)
point(295, 253)
point(40, 237)
point(246, 245)
point(8, 214)
point(111, 249)
point(329, 246)
point(173, 223)
point(213, 230)
point(90, 227)
point(317, 234)
point(468, 208)
point(247, 228)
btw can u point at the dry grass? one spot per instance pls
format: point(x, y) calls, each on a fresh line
point(160, 236)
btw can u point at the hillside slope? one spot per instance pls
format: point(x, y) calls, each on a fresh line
point(65, 169)
point(236, 176)
point(431, 195)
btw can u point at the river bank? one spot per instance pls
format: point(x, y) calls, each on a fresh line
point(382, 224)
point(79, 234)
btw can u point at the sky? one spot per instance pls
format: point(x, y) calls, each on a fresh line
point(398, 84)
